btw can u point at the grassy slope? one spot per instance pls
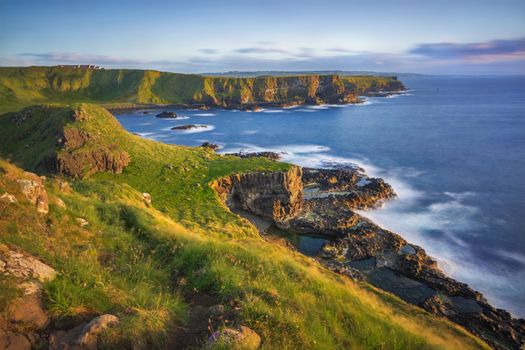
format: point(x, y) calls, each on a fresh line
point(131, 258)
point(20, 87)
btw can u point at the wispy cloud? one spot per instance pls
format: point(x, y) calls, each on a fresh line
point(209, 51)
point(489, 50)
point(261, 50)
point(491, 57)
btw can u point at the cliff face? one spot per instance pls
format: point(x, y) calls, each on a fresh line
point(276, 195)
point(227, 92)
point(361, 249)
point(26, 86)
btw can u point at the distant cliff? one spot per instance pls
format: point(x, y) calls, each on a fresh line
point(21, 87)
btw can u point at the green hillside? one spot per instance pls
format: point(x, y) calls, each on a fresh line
point(20, 87)
point(154, 264)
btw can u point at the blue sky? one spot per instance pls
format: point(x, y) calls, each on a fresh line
point(451, 37)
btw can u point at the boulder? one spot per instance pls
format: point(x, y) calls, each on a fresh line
point(210, 145)
point(83, 337)
point(35, 192)
point(82, 222)
point(167, 115)
point(241, 338)
point(23, 265)
point(146, 197)
point(8, 198)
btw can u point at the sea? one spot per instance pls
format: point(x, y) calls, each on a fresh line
point(453, 148)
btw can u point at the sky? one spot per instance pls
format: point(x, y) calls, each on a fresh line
point(433, 37)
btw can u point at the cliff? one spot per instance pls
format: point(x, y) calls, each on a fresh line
point(150, 259)
point(21, 87)
point(276, 195)
point(362, 250)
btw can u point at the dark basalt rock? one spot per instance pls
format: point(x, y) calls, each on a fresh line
point(210, 145)
point(362, 250)
point(166, 115)
point(189, 127)
point(274, 195)
point(270, 155)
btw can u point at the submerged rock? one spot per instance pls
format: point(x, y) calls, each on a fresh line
point(189, 127)
point(167, 115)
point(270, 155)
point(210, 145)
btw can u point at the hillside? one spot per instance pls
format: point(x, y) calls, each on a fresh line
point(20, 87)
point(149, 241)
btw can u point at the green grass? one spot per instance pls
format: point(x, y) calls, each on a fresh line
point(131, 257)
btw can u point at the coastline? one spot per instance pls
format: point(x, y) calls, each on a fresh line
point(253, 107)
point(360, 249)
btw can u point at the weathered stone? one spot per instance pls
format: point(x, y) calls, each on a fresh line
point(8, 198)
point(146, 197)
point(35, 192)
point(23, 265)
point(167, 115)
point(64, 186)
point(10, 340)
point(82, 222)
point(242, 338)
point(274, 195)
point(26, 313)
point(82, 337)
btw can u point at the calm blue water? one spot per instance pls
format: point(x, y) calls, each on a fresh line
point(453, 148)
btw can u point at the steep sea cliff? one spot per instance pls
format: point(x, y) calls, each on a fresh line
point(122, 88)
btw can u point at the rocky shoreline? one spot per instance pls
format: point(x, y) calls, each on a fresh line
point(323, 202)
point(254, 107)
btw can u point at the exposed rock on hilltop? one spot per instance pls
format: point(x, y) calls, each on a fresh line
point(64, 140)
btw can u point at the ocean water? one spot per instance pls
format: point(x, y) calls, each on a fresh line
point(452, 147)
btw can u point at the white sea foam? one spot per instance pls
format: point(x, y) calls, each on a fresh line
point(306, 110)
point(317, 107)
point(273, 111)
point(249, 132)
point(440, 227)
point(145, 124)
point(204, 114)
point(144, 134)
point(198, 130)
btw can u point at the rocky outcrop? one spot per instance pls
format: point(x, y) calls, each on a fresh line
point(362, 250)
point(24, 266)
point(189, 127)
point(84, 336)
point(269, 155)
point(273, 195)
point(32, 187)
point(167, 115)
point(64, 140)
point(24, 317)
point(82, 163)
point(242, 338)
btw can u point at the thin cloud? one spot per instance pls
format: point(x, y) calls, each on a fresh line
point(261, 50)
point(494, 50)
point(209, 51)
